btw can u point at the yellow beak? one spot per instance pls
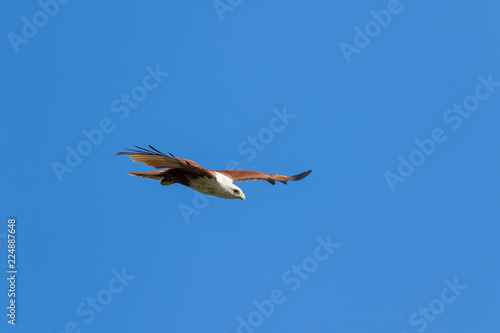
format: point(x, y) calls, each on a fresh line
point(242, 197)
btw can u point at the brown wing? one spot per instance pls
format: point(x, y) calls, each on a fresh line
point(156, 159)
point(243, 175)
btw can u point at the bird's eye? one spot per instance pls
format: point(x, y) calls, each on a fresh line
point(236, 191)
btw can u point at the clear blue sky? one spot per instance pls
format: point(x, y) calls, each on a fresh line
point(395, 107)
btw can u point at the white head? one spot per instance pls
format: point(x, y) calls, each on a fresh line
point(237, 193)
point(231, 191)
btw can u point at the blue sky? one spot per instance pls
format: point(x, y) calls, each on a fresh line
point(393, 105)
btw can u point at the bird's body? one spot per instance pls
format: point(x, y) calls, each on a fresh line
point(191, 174)
point(219, 187)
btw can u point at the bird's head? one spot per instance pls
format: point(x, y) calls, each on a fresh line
point(237, 193)
point(229, 190)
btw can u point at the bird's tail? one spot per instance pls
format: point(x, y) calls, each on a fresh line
point(151, 175)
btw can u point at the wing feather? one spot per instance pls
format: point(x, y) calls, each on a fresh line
point(244, 175)
point(156, 159)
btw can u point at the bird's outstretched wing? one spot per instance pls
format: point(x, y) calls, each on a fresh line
point(156, 159)
point(243, 175)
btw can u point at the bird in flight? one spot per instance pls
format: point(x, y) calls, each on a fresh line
point(188, 173)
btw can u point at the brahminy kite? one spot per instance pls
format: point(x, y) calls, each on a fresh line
point(188, 173)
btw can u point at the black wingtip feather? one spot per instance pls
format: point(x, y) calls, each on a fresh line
point(301, 175)
point(156, 150)
point(141, 150)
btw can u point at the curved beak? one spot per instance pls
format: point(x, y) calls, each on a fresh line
point(242, 196)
